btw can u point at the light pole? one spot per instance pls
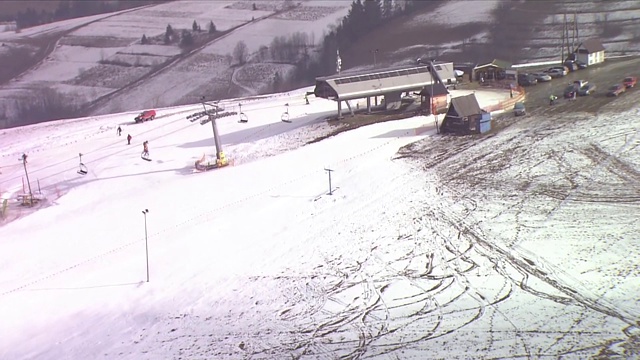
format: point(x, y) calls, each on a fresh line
point(146, 241)
point(374, 57)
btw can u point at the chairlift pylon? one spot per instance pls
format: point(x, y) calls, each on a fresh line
point(82, 167)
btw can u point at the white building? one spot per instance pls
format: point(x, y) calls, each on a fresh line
point(8, 26)
point(590, 52)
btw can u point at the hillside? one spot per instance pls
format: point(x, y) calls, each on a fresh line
point(99, 66)
point(520, 243)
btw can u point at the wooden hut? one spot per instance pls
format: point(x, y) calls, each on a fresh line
point(465, 117)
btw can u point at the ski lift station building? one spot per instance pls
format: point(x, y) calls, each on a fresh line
point(387, 82)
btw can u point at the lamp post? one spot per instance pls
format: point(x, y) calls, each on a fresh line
point(146, 241)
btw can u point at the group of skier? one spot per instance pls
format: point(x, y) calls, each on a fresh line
point(145, 144)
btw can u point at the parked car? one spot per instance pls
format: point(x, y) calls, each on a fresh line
point(526, 79)
point(542, 77)
point(630, 81)
point(616, 90)
point(587, 89)
point(579, 83)
point(145, 116)
point(519, 109)
point(571, 65)
point(556, 72)
point(569, 90)
point(580, 64)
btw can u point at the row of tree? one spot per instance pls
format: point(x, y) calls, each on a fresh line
point(70, 9)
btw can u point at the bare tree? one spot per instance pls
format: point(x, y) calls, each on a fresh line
point(240, 52)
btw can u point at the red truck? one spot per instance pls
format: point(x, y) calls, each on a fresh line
point(145, 116)
point(630, 81)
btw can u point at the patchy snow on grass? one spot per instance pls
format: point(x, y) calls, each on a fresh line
point(137, 60)
point(108, 76)
point(52, 27)
point(460, 12)
point(597, 18)
point(258, 76)
point(127, 26)
point(54, 71)
point(181, 14)
point(86, 93)
point(96, 41)
point(203, 63)
point(312, 20)
point(160, 50)
point(81, 54)
point(598, 6)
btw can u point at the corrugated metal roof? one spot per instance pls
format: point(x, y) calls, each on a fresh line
point(359, 84)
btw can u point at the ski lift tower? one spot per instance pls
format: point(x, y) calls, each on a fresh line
point(212, 115)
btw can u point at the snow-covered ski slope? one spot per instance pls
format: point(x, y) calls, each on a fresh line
point(254, 260)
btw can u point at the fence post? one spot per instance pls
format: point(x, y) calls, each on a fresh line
point(5, 206)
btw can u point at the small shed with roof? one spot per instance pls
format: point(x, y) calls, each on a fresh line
point(496, 70)
point(590, 52)
point(465, 117)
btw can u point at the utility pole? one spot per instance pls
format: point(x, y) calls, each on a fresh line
point(146, 241)
point(564, 25)
point(23, 158)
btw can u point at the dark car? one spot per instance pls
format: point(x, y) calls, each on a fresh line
point(526, 79)
point(519, 109)
point(571, 65)
point(580, 64)
point(616, 90)
point(569, 91)
point(587, 89)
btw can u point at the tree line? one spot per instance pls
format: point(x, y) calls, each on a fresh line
point(70, 9)
point(312, 61)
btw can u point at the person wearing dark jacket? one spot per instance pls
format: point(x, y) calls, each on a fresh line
point(129, 139)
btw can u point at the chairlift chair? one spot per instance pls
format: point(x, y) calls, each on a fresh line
point(243, 116)
point(285, 115)
point(82, 167)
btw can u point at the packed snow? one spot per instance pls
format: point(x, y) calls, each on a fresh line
point(262, 259)
point(458, 12)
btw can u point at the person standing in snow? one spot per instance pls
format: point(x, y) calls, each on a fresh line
point(129, 139)
point(145, 148)
point(119, 130)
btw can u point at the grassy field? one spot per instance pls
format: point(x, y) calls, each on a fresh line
point(12, 7)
